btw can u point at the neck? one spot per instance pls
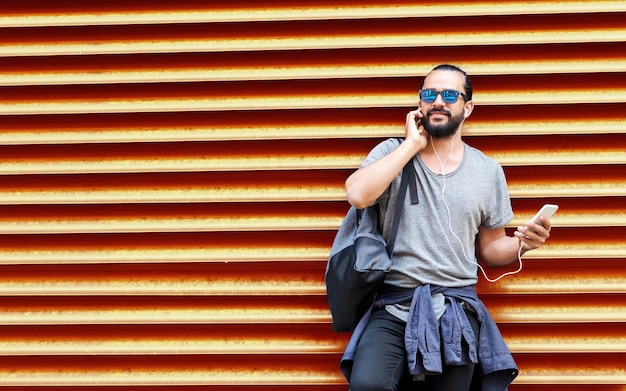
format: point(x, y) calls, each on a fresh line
point(445, 146)
point(443, 155)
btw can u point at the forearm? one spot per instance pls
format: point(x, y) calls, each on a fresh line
point(497, 248)
point(366, 184)
point(502, 251)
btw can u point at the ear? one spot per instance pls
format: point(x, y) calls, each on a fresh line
point(469, 107)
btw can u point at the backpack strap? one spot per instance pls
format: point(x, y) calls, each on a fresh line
point(408, 173)
point(408, 180)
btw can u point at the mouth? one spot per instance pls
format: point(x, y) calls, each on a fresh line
point(438, 114)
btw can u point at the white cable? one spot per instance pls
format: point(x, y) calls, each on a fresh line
point(443, 198)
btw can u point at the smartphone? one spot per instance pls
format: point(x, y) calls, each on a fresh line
point(548, 210)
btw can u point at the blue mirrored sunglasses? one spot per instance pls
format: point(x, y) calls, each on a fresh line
point(449, 96)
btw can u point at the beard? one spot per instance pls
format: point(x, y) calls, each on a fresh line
point(444, 130)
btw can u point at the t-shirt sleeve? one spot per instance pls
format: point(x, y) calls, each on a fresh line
point(501, 210)
point(382, 149)
point(379, 151)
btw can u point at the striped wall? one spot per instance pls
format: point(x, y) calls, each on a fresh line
point(171, 178)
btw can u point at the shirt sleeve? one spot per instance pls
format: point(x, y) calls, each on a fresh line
point(501, 210)
point(379, 151)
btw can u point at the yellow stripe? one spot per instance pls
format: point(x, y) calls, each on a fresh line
point(267, 253)
point(425, 39)
point(183, 223)
point(174, 376)
point(272, 376)
point(252, 346)
point(286, 193)
point(296, 71)
point(300, 13)
point(287, 284)
point(230, 315)
point(297, 131)
point(218, 103)
point(290, 163)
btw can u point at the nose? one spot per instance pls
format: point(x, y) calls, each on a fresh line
point(439, 100)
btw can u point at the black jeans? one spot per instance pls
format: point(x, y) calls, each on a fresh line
point(380, 362)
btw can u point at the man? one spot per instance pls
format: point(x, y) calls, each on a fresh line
point(428, 306)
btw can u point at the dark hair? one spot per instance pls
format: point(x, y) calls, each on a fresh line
point(448, 67)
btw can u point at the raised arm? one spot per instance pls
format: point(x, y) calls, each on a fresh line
point(366, 184)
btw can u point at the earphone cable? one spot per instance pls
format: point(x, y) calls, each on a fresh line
point(443, 190)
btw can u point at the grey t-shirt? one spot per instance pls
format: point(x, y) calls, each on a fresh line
point(434, 235)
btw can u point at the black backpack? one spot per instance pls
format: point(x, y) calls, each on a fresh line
point(360, 259)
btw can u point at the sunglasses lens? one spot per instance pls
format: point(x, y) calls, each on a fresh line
point(449, 96)
point(428, 96)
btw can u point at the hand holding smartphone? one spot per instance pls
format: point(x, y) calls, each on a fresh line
point(547, 211)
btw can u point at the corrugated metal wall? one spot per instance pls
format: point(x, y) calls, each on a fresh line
point(172, 177)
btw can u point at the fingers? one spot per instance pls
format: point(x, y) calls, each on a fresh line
point(414, 131)
point(534, 235)
point(413, 121)
point(414, 116)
